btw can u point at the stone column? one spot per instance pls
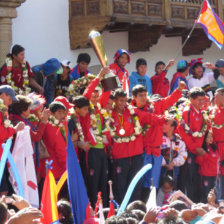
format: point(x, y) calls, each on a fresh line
point(7, 13)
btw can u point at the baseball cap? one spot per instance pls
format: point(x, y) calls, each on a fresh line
point(64, 101)
point(219, 63)
point(182, 64)
point(67, 63)
point(9, 91)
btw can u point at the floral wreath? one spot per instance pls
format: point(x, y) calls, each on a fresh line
point(137, 128)
point(9, 80)
point(78, 85)
point(214, 125)
point(33, 118)
point(78, 125)
point(3, 111)
point(196, 134)
point(55, 122)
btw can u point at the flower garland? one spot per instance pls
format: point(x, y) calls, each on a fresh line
point(79, 127)
point(25, 77)
point(196, 134)
point(3, 111)
point(33, 118)
point(150, 109)
point(214, 125)
point(137, 128)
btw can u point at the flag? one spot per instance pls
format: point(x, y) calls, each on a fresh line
point(76, 186)
point(49, 200)
point(111, 210)
point(212, 24)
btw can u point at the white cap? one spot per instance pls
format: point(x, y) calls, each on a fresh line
point(67, 63)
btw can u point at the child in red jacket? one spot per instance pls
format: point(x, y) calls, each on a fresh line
point(208, 164)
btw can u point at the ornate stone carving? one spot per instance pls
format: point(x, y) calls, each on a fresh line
point(154, 9)
point(138, 7)
point(177, 11)
point(121, 6)
point(77, 8)
point(192, 13)
point(93, 7)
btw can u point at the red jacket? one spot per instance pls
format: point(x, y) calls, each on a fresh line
point(218, 134)
point(56, 146)
point(208, 163)
point(132, 148)
point(194, 121)
point(153, 137)
point(5, 133)
point(121, 73)
point(17, 75)
point(160, 84)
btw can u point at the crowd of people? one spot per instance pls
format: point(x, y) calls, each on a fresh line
point(176, 126)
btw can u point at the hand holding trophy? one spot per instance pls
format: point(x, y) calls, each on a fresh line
point(110, 81)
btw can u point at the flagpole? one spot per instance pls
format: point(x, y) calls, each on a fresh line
point(189, 35)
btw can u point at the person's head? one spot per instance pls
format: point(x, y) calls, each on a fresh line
point(168, 184)
point(110, 102)
point(171, 220)
point(7, 94)
point(3, 213)
point(64, 211)
point(219, 97)
point(22, 106)
point(220, 65)
point(58, 110)
point(137, 205)
point(139, 213)
point(83, 61)
point(207, 102)
point(208, 141)
point(65, 102)
point(81, 105)
point(197, 97)
point(178, 205)
point(183, 67)
point(122, 57)
point(51, 66)
point(196, 68)
point(67, 66)
point(141, 66)
point(120, 99)
point(159, 67)
point(139, 93)
point(95, 97)
point(170, 126)
point(17, 53)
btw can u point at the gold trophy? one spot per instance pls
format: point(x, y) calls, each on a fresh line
point(110, 81)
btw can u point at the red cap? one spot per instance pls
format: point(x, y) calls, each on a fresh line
point(64, 101)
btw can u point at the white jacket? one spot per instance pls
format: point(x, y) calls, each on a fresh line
point(173, 150)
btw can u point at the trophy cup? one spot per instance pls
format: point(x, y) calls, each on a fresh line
point(110, 81)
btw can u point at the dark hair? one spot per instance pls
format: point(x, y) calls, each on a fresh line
point(174, 124)
point(197, 65)
point(140, 61)
point(138, 89)
point(180, 101)
point(195, 92)
point(55, 106)
point(16, 49)
point(111, 96)
point(178, 205)
point(3, 213)
point(116, 220)
point(21, 105)
point(204, 145)
point(220, 90)
point(64, 208)
point(182, 69)
point(140, 205)
point(139, 213)
point(159, 63)
point(83, 57)
point(119, 93)
point(80, 101)
point(171, 220)
point(168, 179)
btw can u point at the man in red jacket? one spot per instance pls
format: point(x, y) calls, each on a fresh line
point(160, 84)
point(7, 96)
point(127, 147)
point(192, 129)
point(153, 135)
point(217, 120)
